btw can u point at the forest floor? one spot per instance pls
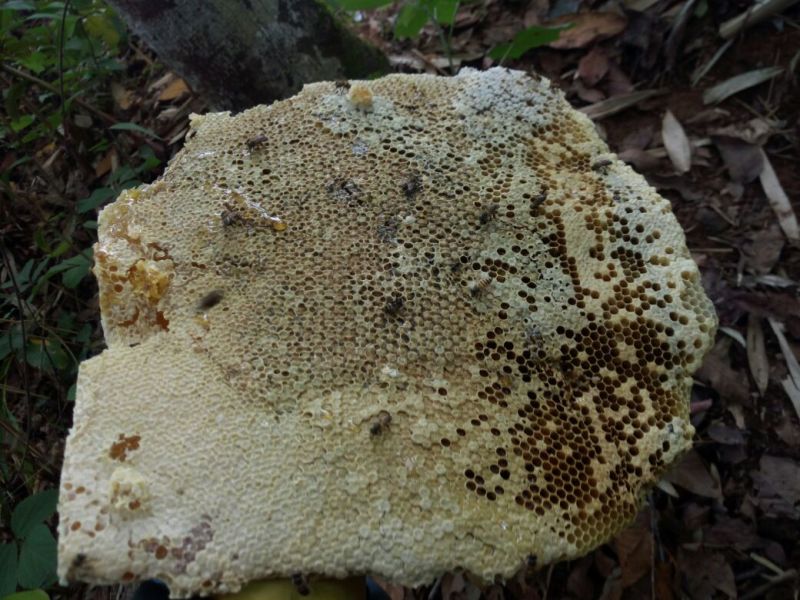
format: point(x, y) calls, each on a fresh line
point(657, 81)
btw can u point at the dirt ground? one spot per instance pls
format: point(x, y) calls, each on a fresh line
point(726, 522)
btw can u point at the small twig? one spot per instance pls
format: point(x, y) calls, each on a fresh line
point(771, 583)
point(547, 581)
point(51, 88)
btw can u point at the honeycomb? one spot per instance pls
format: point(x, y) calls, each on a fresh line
point(397, 327)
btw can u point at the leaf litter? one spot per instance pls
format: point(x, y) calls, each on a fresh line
point(717, 135)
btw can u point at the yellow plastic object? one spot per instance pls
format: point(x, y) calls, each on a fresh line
point(353, 588)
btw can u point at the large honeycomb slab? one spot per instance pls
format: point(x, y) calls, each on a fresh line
point(394, 327)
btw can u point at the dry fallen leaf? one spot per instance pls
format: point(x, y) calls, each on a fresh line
point(616, 104)
point(755, 131)
point(174, 90)
point(736, 84)
point(634, 547)
point(122, 98)
point(108, 163)
point(677, 144)
point(778, 483)
point(586, 28)
point(692, 474)
point(757, 354)
point(706, 572)
point(792, 383)
point(725, 434)
point(762, 249)
point(779, 201)
point(593, 66)
point(742, 159)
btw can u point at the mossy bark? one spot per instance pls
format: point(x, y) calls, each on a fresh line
point(239, 53)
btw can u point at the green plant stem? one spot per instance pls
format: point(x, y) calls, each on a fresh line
point(51, 88)
point(24, 365)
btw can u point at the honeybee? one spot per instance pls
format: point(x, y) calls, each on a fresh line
point(256, 141)
point(342, 85)
point(394, 305)
point(538, 199)
point(210, 300)
point(489, 214)
point(411, 186)
point(380, 424)
point(601, 166)
point(478, 288)
point(79, 560)
point(300, 583)
point(230, 215)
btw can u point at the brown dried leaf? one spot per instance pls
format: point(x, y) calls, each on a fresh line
point(593, 66)
point(757, 354)
point(122, 98)
point(579, 583)
point(107, 163)
point(742, 159)
point(634, 548)
point(676, 142)
point(762, 250)
point(587, 27)
point(732, 533)
point(778, 483)
point(175, 90)
point(725, 434)
point(692, 474)
point(394, 591)
point(640, 159)
point(706, 572)
point(755, 131)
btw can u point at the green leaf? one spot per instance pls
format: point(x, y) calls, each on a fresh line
point(444, 11)
point(11, 340)
point(32, 511)
point(35, 61)
point(17, 5)
point(73, 269)
point(46, 354)
point(362, 4)
point(410, 21)
point(101, 26)
point(527, 39)
point(37, 559)
point(95, 199)
point(24, 121)
point(8, 569)
point(136, 128)
point(29, 595)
